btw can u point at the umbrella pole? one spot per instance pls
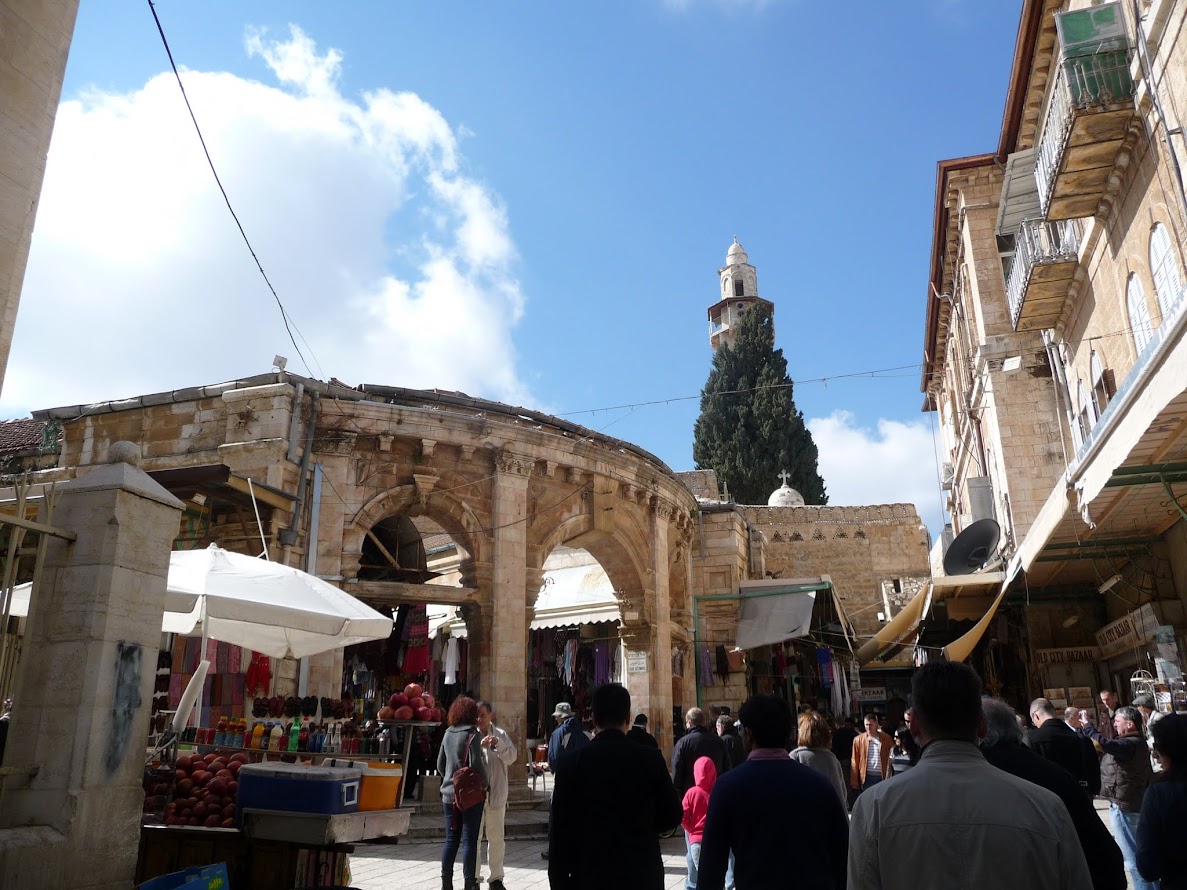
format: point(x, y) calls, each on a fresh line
point(202, 657)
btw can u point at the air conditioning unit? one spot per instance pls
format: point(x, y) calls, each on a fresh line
point(980, 494)
point(947, 536)
point(947, 476)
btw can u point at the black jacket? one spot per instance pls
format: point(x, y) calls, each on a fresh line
point(735, 748)
point(843, 745)
point(1161, 852)
point(609, 807)
point(641, 736)
point(1059, 743)
point(697, 742)
point(1100, 850)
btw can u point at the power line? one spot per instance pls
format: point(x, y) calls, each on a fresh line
point(730, 392)
point(283, 312)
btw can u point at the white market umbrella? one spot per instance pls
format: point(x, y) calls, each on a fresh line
point(268, 607)
point(260, 605)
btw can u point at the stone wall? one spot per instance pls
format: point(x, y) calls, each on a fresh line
point(34, 42)
point(863, 550)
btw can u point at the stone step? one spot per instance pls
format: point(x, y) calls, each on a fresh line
point(519, 824)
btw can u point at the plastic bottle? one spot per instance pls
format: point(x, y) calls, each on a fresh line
point(303, 737)
point(276, 738)
point(294, 736)
point(257, 734)
point(220, 731)
point(385, 744)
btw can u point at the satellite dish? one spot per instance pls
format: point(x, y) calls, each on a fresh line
point(972, 548)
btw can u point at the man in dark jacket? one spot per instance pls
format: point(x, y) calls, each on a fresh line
point(735, 748)
point(696, 742)
point(610, 806)
point(568, 736)
point(640, 735)
point(783, 821)
point(1004, 748)
point(1124, 775)
point(1053, 739)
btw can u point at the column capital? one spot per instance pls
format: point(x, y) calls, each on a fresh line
point(511, 464)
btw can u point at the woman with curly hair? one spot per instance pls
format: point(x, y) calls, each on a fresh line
point(460, 747)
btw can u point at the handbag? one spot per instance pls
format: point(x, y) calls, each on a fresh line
point(468, 791)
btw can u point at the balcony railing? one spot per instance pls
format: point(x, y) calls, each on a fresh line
point(1041, 244)
point(1085, 85)
point(1165, 332)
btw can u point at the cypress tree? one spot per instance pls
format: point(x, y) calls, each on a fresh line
point(749, 429)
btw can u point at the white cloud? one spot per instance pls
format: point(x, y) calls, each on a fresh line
point(396, 267)
point(892, 464)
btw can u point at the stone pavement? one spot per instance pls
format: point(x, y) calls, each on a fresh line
point(417, 866)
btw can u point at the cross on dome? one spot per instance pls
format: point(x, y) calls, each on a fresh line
point(785, 476)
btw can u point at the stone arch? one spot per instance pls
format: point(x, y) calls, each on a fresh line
point(623, 564)
point(451, 513)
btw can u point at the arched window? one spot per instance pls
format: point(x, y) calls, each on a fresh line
point(739, 288)
point(1139, 312)
point(1168, 286)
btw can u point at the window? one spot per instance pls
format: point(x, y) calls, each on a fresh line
point(1103, 387)
point(1085, 417)
point(1139, 312)
point(1168, 285)
point(739, 289)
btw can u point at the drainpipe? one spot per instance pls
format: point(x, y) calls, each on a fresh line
point(294, 424)
point(311, 564)
point(288, 536)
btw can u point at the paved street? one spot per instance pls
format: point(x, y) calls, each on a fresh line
point(417, 866)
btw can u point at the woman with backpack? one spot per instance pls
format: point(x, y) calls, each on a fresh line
point(463, 791)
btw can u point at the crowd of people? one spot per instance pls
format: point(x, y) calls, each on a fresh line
point(968, 793)
point(965, 794)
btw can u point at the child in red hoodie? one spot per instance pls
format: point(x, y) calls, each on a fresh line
point(696, 807)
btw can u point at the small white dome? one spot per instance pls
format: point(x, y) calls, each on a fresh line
point(736, 254)
point(785, 496)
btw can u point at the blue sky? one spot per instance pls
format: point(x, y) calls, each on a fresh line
point(525, 202)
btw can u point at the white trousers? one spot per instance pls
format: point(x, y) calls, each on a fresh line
point(496, 846)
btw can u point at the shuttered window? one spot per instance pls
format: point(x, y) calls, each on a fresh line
point(1164, 267)
point(1139, 313)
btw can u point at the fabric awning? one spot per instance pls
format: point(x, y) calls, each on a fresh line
point(962, 648)
point(900, 626)
point(773, 611)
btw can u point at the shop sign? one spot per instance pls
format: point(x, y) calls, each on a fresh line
point(1127, 632)
point(1067, 655)
point(636, 662)
point(872, 693)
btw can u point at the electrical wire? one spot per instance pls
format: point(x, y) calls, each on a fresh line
point(731, 392)
point(206, 151)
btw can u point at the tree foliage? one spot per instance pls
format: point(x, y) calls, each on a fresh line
point(749, 429)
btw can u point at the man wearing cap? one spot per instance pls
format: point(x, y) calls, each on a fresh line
point(568, 736)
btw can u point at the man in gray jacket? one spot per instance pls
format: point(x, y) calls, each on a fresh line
point(498, 752)
point(954, 820)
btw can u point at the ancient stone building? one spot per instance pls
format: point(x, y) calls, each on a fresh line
point(331, 470)
point(1055, 357)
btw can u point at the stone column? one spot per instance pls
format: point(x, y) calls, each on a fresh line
point(647, 639)
point(503, 680)
point(34, 42)
point(86, 684)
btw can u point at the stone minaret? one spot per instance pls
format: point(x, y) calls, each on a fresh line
point(739, 291)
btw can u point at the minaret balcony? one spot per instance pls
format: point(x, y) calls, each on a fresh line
point(1046, 255)
point(1089, 113)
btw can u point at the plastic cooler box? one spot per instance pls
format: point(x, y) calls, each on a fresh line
point(294, 788)
point(381, 782)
